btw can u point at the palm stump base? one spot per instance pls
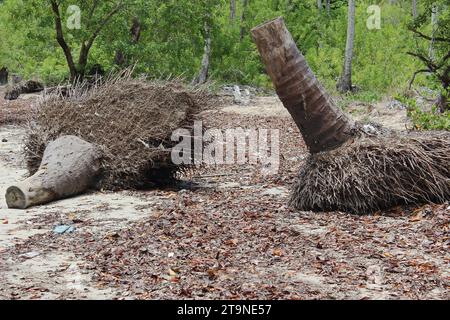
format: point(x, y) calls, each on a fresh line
point(69, 166)
point(349, 169)
point(374, 173)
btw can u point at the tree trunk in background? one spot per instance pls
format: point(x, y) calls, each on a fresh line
point(119, 58)
point(135, 32)
point(3, 76)
point(77, 71)
point(244, 9)
point(442, 103)
point(328, 6)
point(345, 82)
point(69, 166)
point(203, 74)
point(232, 10)
point(434, 22)
point(319, 5)
point(82, 61)
point(414, 8)
point(322, 124)
point(62, 42)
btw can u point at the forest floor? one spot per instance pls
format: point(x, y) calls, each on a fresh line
point(228, 234)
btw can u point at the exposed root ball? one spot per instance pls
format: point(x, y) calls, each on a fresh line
point(374, 173)
point(130, 121)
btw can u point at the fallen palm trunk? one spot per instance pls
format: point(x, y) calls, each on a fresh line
point(349, 169)
point(130, 121)
point(69, 166)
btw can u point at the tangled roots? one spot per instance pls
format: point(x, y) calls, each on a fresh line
point(374, 173)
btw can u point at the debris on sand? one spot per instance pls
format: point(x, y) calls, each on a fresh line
point(63, 229)
point(30, 86)
point(352, 167)
point(378, 172)
point(131, 121)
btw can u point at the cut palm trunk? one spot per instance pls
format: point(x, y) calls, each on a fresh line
point(322, 124)
point(352, 167)
point(69, 167)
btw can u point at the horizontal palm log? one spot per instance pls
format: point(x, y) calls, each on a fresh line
point(69, 166)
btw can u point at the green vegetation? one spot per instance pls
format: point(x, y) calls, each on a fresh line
point(172, 33)
point(425, 120)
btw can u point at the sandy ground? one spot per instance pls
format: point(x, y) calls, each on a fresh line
point(230, 237)
point(392, 118)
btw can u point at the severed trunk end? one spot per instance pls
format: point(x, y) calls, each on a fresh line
point(322, 124)
point(69, 167)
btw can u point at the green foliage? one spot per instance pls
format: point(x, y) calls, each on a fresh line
point(173, 35)
point(432, 44)
point(425, 120)
point(28, 45)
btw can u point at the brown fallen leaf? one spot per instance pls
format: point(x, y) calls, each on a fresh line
point(173, 276)
point(417, 217)
point(213, 274)
point(278, 252)
point(231, 242)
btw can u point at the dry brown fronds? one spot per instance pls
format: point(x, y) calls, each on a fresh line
point(130, 120)
point(374, 173)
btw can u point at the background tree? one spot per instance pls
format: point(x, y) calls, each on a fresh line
point(243, 14)
point(204, 68)
point(232, 10)
point(135, 33)
point(432, 48)
point(98, 17)
point(345, 82)
point(414, 8)
point(172, 41)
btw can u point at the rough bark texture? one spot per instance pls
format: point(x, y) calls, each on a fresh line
point(442, 103)
point(323, 125)
point(345, 83)
point(69, 166)
point(135, 30)
point(120, 58)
